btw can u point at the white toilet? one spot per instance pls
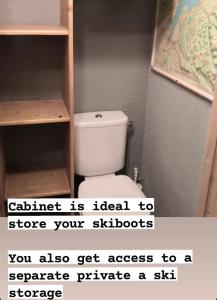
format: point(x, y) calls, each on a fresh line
point(100, 144)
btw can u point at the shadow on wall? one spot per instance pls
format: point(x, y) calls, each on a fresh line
point(114, 15)
point(113, 42)
point(165, 10)
point(30, 80)
point(165, 16)
point(103, 25)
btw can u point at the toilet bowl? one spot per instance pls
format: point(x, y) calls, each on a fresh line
point(100, 144)
point(109, 186)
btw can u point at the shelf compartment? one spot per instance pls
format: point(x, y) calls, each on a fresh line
point(10, 29)
point(37, 182)
point(32, 112)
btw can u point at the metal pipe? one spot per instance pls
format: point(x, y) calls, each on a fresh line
point(130, 130)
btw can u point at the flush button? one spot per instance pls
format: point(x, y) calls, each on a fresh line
point(98, 116)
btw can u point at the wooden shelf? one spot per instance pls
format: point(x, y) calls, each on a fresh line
point(33, 30)
point(44, 182)
point(32, 112)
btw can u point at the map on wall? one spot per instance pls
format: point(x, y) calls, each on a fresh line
point(185, 47)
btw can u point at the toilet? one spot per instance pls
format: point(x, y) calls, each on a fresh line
point(100, 146)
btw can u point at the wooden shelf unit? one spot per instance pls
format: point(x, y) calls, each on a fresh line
point(33, 30)
point(40, 180)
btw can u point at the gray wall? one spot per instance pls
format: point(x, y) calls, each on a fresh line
point(176, 125)
point(112, 51)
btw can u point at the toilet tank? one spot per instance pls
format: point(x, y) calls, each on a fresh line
point(100, 142)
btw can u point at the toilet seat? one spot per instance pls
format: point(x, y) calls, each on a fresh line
point(109, 186)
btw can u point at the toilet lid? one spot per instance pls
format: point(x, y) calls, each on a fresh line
point(109, 186)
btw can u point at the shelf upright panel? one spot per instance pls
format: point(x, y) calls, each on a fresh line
point(66, 20)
